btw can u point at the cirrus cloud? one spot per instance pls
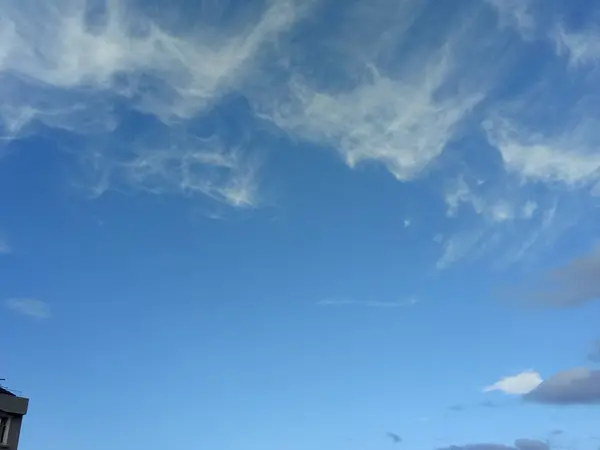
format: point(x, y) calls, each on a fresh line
point(91, 72)
point(136, 99)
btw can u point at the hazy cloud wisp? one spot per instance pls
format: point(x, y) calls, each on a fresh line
point(368, 303)
point(29, 307)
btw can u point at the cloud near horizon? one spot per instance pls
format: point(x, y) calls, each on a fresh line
point(520, 444)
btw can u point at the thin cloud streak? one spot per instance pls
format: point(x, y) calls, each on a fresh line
point(581, 47)
point(30, 307)
point(367, 303)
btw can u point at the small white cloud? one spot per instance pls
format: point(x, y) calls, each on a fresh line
point(29, 307)
point(519, 384)
point(501, 211)
point(407, 223)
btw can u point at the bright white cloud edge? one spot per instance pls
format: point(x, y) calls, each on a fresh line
point(519, 384)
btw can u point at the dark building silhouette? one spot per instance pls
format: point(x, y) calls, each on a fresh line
point(12, 410)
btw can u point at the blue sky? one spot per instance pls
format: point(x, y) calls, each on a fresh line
point(301, 224)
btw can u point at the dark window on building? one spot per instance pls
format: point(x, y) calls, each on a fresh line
point(4, 426)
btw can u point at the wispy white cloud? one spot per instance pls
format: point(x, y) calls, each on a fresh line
point(519, 384)
point(516, 239)
point(459, 246)
point(404, 113)
point(542, 231)
point(528, 209)
point(5, 247)
point(401, 114)
point(517, 14)
point(491, 218)
point(29, 307)
point(368, 303)
point(569, 157)
point(386, 84)
point(68, 68)
point(397, 124)
point(60, 45)
point(177, 163)
point(459, 193)
point(582, 47)
point(548, 146)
